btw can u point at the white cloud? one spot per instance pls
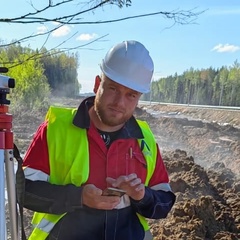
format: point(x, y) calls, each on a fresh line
point(226, 48)
point(61, 31)
point(41, 29)
point(86, 36)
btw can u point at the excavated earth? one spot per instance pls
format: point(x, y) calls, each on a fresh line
point(201, 150)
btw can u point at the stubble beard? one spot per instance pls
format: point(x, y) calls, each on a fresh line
point(109, 121)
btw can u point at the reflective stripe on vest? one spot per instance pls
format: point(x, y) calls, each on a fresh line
point(62, 156)
point(43, 224)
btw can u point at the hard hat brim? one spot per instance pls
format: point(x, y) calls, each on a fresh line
point(127, 82)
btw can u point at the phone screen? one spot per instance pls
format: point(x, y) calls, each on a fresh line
point(113, 192)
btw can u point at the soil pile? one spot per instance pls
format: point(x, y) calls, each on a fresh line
point(203, 161)
point(208, 192)
point(207, 205)
point(211, 140)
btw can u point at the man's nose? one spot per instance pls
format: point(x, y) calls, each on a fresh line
point(120, 99)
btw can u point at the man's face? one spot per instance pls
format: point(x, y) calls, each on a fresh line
point(114, 103)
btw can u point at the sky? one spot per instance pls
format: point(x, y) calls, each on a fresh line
point(210, 40)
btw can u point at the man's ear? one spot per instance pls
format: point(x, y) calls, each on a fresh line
point(96, 84)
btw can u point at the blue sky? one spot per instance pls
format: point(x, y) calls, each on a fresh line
point(213, 40)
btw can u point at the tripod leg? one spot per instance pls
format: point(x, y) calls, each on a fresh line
point(12, 202)
point(2, 195)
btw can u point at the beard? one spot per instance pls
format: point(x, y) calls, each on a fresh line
point(106, 117)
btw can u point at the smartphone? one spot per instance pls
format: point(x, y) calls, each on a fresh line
point(110, 191)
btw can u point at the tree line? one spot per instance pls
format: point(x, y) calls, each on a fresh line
point(39, 73)
point(205, 87)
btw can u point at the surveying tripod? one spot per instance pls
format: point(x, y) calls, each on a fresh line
point(7, 159)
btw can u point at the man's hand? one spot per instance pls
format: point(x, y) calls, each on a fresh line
point(131, 184)
point(92, 197)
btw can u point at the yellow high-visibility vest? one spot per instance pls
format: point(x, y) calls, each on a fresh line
point(64, 165)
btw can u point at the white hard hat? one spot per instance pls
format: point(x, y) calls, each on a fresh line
point(129, 64)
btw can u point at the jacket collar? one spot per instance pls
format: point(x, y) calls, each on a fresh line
point(131, 128)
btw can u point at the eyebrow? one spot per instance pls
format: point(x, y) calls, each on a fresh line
point(111, 82)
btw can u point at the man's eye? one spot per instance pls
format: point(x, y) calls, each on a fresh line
point(132, 95)
point(112, 88)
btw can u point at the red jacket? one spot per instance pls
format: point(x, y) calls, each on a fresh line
point(104, 162)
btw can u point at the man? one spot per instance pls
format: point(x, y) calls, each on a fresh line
point(77, 153)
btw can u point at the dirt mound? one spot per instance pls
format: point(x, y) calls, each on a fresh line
point(209, 142)
point(204, 174)
point(208, 192)
point(207, 205)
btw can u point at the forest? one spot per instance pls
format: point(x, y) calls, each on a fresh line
point(40, 74)
point(202, 87)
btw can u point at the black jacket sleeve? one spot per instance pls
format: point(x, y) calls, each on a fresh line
point(42, 196)
point(155, 204)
